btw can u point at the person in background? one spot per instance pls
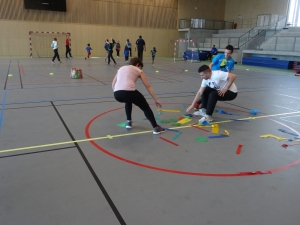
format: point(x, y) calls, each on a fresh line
point(140, 47)
point(110, 51)
point(106, 45)
point(128, 44)
point(54, 46)
point(153, 53)
point(88, 50)
point(126, 54)
point(68, 49)
point(118, 48)
point(213, 51)
point(184, 57)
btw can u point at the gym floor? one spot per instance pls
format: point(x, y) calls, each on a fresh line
point(134, 177)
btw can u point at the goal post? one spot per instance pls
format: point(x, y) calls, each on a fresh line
point(40, 43)
point(181, 46)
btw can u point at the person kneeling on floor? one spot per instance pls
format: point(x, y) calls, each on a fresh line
point(216, 86)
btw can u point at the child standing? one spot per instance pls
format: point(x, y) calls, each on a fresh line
point(126, 54)
point(184, 57)
point(153, 52)
point(128, 44)
point(118, 48)
point(88, 50)
point(54, 46)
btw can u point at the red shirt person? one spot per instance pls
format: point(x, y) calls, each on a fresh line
point(68, 49)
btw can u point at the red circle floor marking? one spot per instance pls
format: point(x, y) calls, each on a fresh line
point(246, 173)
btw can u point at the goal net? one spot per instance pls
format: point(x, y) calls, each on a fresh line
point(185, 46)
point(40, 43)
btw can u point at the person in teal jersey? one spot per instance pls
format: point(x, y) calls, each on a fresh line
point(223, 62)
point(153, 53)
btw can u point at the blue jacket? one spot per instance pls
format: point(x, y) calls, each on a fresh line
point(106, 47)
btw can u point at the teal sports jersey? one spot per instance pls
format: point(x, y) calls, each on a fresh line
point(222, 63)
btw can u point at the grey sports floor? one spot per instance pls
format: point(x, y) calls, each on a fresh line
point(134, 177)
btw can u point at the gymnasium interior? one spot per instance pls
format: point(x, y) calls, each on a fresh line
point(66, 157)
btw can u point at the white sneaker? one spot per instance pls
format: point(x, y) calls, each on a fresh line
point(201, 112)
point(206, 118)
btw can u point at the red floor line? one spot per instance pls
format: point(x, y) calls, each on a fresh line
point(171, 142)
point(22, 70)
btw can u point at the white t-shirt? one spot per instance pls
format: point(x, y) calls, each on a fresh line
point(218, 80)
point(126, 78)
point(54, 45)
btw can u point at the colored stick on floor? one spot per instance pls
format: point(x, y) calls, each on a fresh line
point(273, 136)
point(177, 135)
point(168, 110)
point(219, 136)
point(284, 131)
point(184, 120)
point(239, 148)
point(166, 140)
point(169, 129)
point(201, 139)
point(123, 124)
point(200, 128)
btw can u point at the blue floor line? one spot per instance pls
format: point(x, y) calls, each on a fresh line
point(2, 110)
point(92, 97)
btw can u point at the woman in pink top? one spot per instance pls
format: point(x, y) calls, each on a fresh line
point(124, 89)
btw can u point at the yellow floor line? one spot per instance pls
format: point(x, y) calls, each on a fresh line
point(129, 134)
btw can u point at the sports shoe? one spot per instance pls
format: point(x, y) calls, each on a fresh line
point(201, 112)
point(158, 130)
point(52, 62)
point(206, 118)
point(129, 124)
point(115, 63)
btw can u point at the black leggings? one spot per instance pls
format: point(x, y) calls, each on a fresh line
point(68, 51)
point(139, 100)
point(140, 54)
point(210, 97)
point(110, 52)
point(55, 55)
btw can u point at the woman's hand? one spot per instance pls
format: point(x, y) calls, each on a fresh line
point(190, 108)
point(158, 104)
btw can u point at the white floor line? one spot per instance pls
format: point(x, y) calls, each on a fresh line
point(290, 121)
point(286, 95)
point(289, 116)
